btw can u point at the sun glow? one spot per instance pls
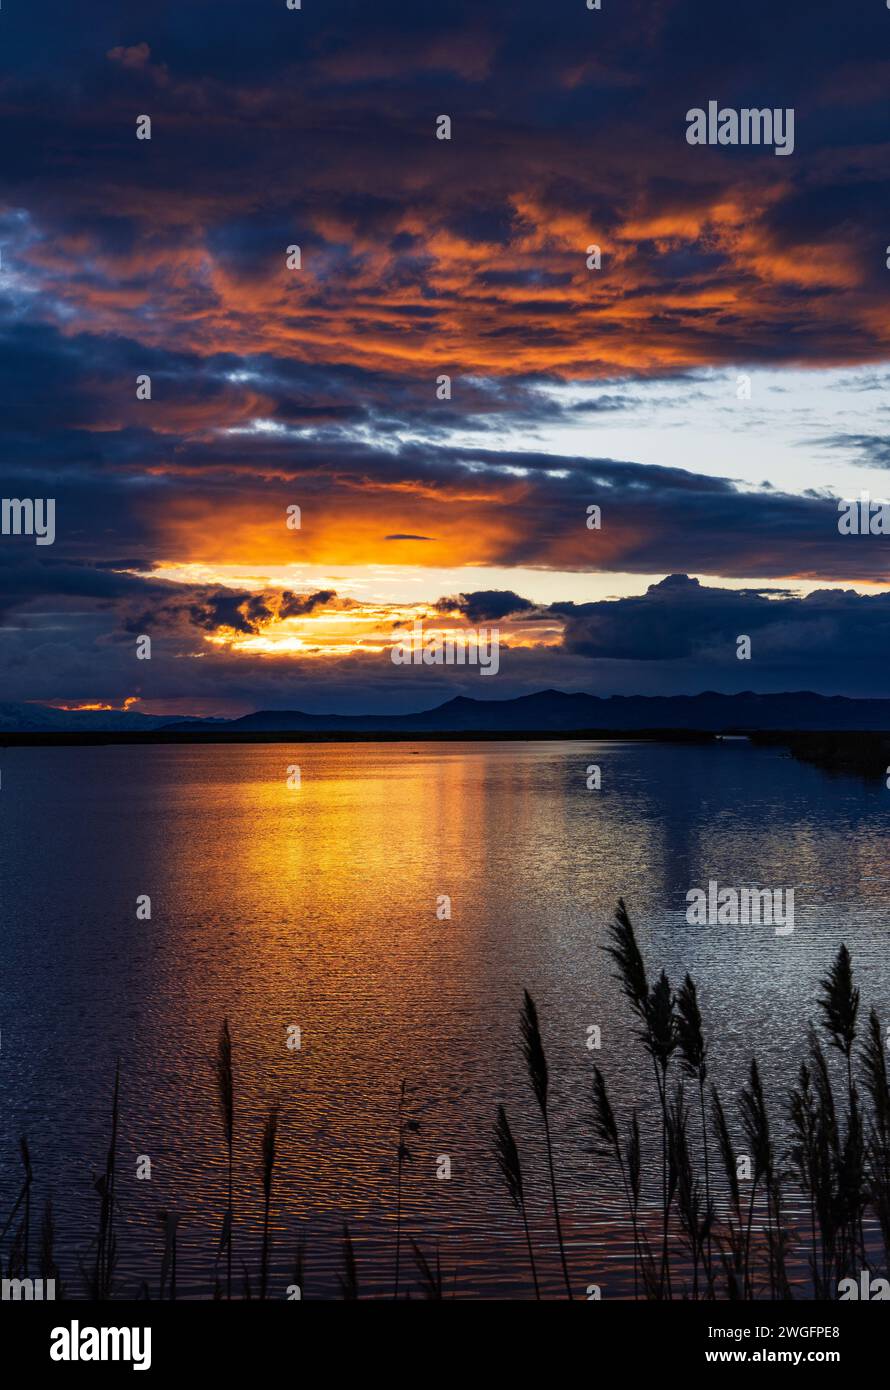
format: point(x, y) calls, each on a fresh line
point(82, 708)
point(361, 630)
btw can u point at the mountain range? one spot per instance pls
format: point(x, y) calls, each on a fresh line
point(546, 712)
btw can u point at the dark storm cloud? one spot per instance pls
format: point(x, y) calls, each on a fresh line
point(315, 126)
point(678, 637)
point(211, 609)
point(512, 508)
point(25, 578)
point(165, 258)
point(831, 639)
point(298, 605)
point(72, 399)
point(244, 611)
point(485, 605)
point(680, 618)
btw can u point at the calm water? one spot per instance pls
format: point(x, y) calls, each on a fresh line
point(317, 907)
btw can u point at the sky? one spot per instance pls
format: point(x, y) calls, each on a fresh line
point(714, 378)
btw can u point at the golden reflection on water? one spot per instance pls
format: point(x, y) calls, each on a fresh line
point(317, 906)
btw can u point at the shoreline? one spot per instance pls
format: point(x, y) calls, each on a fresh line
point(93, 738)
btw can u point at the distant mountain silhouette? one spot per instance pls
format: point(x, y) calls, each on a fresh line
point(554, 711)
point(18, 717)
point(546, 712)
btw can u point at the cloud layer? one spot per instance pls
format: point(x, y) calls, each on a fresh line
point(420, 259)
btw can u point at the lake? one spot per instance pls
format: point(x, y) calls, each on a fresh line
point(322, 907)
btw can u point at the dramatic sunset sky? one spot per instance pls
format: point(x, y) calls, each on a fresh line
point(623, 386)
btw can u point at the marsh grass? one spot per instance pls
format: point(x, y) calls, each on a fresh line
point(169, 1220)
point(539, 1077)
point(17, 1264)
point(349, 1275)
point(724, 1232)
point(270, 1131)
point(605, 1128)
point(100, 1286)
point(654, 1008)
point(508, 1161)
point(838, 1155)
point(403, 1156)
point(430, 1276)
point(225, 1081)
point(694, 1062)
point(48, 1266)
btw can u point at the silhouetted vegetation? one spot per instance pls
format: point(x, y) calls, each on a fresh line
point(839, 1150)
point(727, 1229)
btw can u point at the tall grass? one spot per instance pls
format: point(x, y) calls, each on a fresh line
point(508, 1161)
point(348, 1277)
point(722, 1229)
point(49, 1269)
point(403, 1154)
point(694, 1223)
point(539, 1076)
point(106, 1244)
point(430, 1277)
point(732, 1246)
point(18, 1257)
point(270, 1130)
point(839, 1003)
point(694, 1062)
point(225, 1081)
point(654, 1008)
point(169, 1220)
point(877, 1143)
point(605, 1129)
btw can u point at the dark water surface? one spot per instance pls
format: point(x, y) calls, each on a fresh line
point(318, 907)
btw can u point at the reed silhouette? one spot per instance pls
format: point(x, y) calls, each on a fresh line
point(348, 1277)
point(721, 1230)
point(225, 1081)
point(538, 1074)
point(169, 1221)
point(106, 1244)
point(655, 1010)
point(694, 1062)
point(507, 1155)
point(431, 1279)
point(270, 1131)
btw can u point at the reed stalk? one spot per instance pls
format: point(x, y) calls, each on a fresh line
point(508, 1161)
point(536, 1065)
